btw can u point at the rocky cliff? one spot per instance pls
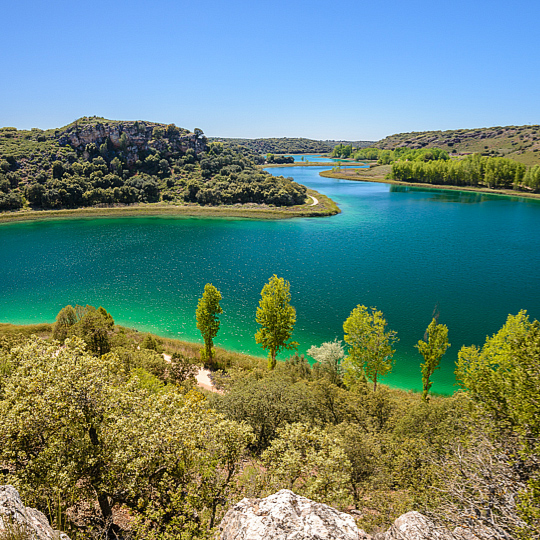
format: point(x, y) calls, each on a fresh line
point(132, 137)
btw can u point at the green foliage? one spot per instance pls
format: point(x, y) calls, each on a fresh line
point(370, 344)
point(208, 309)
point(285, 145)
point(151, 343)
point(310, 462)
point(266, 404)
point(432, 348)
point(475, 170)
point(51, 170)
point(276, 317)
point(504, 377)
point(72, 424)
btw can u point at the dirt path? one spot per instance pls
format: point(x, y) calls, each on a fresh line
point(203, 377)
point(315, 201)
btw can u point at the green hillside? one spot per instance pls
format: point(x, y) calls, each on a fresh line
point(520, 143)
point(98, 162)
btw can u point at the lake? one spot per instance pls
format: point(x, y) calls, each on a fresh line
point(403, 250)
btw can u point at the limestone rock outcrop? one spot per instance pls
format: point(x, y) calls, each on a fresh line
point(138, 137)
point(287, 516)
point(13, 514)
point(414, 526)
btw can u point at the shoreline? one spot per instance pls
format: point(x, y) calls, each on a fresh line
point(439, 187)
point(325, 207)
point(343, 163)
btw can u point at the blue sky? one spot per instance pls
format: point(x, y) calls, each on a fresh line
point(327, 70)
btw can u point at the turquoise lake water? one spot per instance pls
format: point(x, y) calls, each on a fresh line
point(403, 250)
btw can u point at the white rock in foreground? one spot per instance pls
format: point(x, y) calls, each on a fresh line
point(13, 513)
point(287, 516)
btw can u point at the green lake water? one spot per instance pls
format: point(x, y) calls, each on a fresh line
point(403, 250)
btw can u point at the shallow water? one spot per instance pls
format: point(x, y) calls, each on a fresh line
point(403, 250)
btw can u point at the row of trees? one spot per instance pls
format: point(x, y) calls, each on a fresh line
point(370, 352)
point(474, 170)
point(384, 157)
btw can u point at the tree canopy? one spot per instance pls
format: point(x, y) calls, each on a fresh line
point(208, 309)
point(277, 318)
point(371, 351)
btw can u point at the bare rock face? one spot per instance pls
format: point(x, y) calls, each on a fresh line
point(287, 516)
point(139, 137)
point(13, 513)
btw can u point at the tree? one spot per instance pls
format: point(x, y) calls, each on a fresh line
point(432, 348)
point(75, 433)
point(276, 317)
point(65, 319)
point(309, 461)
point(504, 377)
point(329, 357)
point(371, 346)
point(207, 313)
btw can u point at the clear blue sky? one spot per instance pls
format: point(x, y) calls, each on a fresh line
point(350, 70)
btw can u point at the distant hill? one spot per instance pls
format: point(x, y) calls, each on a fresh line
point(285, 145)
point(289, 145)
point(520, 143)
point(354, 144)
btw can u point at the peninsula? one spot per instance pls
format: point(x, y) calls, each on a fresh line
point(95, 167)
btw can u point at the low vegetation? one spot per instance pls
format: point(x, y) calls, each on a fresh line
point(284, 145)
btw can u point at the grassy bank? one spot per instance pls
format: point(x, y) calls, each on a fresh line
point(378, 174)
point(325, 207)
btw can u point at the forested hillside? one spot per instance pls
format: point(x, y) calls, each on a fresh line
point(95, 161)
point(520, 143)
point(285, 145)
point(289, 145)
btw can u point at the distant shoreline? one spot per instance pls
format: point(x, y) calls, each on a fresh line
point(325, 207)
point(382, 180)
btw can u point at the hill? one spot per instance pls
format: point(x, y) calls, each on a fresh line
point(95, 162)
point(289, 145)
point(285, 145)
point(520, 143)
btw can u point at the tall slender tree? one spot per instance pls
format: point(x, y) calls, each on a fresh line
point(208, 310)
point(276, 317)
point(432, 348)
point(371, 350)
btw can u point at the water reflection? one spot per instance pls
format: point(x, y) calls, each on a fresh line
point(457, 196)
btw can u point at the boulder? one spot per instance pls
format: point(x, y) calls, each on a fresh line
point(416, 526)
point(287, 516)
point(14, 514)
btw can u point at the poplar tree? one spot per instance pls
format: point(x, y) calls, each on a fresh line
point(276, 317)
point(208, 322)
point(371, 345)
point(432, 348)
